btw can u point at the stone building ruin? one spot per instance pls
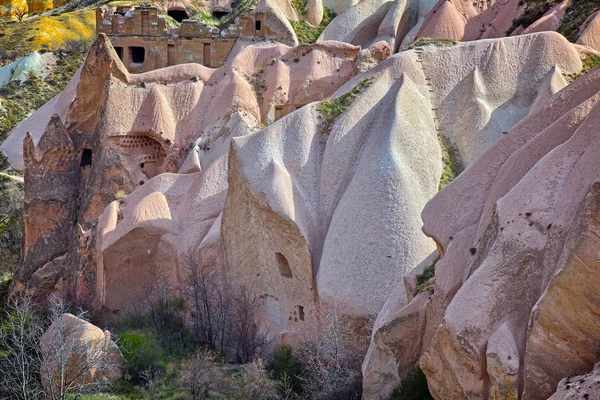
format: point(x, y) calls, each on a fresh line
point(145, 41)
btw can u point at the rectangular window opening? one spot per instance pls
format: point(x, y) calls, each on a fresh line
point(119, 51)
point(138, 54)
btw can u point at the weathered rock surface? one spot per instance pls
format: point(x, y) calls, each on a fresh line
point(579, 387)
point(590, 32)
point(77, 353)
point(516, 231)
point(123, 129)
point(312, 197)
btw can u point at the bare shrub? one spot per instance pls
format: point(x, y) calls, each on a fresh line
point(197, 376)
point(209, 305)
point(222, 319)
point(72, 367)
point(332, 351)
point(20, 357)
point(254, 383)
point(151, 379)
point(247, 340)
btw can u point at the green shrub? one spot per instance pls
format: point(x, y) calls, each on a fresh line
point(427, 273)
point(284, 366)
point(413, 387)
point(331, 109)
point(451, 162)
point(141, 351)
point(575, 16)
point(305, 32)
point(590, 61)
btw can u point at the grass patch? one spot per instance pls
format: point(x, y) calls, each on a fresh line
point(329, 110)
point(259, 84)
point(239, 7)
point(431, 42)
point(306, 32)
point(12, 225)
point(575, 16)
point(451, 160)
point(413, 387)
point(590, 61)
point(427, 273)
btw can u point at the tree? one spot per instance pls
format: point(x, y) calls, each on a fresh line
point(19, 9)
point(72, 364)
point(19, 343)
point(247, 340)
point(210, 307)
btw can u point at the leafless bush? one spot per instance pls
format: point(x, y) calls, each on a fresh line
point(197, 376)
point(151, 379)
point(254, 383)
point(222, 319)
point(247, 339)
point(19, 344)
point(332, 351)
point(70, 366)
point(210, 307)
point(162, 308)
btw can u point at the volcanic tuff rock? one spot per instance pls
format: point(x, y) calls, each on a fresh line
point(89, 354)
point(517, 235)
point(577, 387)
point(123, 129)
point(312, 195)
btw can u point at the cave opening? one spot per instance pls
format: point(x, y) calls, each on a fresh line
point(178, 14)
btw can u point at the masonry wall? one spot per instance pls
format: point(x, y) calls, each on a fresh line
point(143, 31)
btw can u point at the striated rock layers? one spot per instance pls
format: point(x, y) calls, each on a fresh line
point(512, 308)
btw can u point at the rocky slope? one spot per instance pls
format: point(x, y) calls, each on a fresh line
point(312, 174)
point(516, 237)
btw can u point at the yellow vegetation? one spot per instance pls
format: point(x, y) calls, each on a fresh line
point(53, 32)
point(48, 33)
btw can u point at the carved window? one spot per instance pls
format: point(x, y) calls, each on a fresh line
point(284, 265)
point(138, 54)
point(178, 15)
point(86, 158)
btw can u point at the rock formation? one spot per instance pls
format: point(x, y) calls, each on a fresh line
point(579, 387)
point(312, 174)
point(115, 139)
point(515, 232)
point(77, 354)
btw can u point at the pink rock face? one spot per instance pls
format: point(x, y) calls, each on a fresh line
point(472, 20)
point(590, 32)
point(516, 231)
point(124, 129)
